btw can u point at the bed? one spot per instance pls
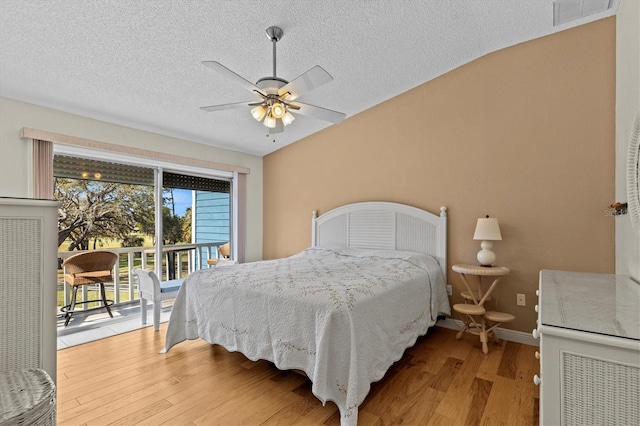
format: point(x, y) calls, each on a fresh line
point(342, 311)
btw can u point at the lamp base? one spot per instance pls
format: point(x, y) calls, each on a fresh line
point(486, 257)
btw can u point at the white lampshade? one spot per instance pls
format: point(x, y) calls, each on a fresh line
point(270, 122)
point(487, 229)
point(288, 118)
point(259, 112)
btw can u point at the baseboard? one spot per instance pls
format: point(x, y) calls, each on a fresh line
point(502, 333)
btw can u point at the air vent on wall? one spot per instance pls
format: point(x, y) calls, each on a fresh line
point(569, 10)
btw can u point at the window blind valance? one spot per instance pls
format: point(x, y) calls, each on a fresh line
point(83, 168)
point(175, 180)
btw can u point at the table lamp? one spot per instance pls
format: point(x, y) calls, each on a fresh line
point(487, 230)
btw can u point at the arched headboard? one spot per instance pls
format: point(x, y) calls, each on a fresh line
point(383, 225)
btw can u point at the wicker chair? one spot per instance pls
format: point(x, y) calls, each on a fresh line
point(92, 267)
point(224, 251)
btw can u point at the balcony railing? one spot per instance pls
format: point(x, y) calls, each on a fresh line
point(178, 261)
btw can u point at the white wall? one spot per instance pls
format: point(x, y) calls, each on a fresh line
point(627, 108)
point(16, 167)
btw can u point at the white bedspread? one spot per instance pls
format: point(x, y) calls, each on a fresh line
point(343, 316)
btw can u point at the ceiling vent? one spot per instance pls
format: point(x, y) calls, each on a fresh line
point(569, 10)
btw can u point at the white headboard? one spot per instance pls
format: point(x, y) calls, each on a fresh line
point(383, 225)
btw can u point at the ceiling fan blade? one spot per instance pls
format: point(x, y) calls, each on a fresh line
point(278, 129)
point(319, 113)
point(228, 106)
point(227, 73)
point(305, 83)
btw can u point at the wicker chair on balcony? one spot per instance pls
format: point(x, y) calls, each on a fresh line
point(92, 267)
point(224, 251)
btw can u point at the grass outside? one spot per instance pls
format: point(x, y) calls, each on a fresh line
point(107, 243)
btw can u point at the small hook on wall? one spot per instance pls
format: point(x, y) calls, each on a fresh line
point(619, 208)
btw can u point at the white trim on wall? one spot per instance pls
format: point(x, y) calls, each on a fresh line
point(502, 333)
point(239, 218)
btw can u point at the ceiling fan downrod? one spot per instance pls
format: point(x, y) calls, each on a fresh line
point(275, 35)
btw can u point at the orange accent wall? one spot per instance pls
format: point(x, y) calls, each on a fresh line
point(525, 134)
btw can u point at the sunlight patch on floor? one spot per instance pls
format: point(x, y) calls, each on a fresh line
point(95, 325)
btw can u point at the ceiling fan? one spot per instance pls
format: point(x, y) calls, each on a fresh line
point(275, 106)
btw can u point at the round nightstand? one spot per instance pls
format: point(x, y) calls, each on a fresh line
point(474, 314)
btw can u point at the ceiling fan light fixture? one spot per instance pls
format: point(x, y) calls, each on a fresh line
point(287, 118)
point(275, 93)
point(259, 112)
point(278, 110)
point(270, 121)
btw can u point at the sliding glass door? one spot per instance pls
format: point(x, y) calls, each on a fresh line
point(200, 208)
point(167, 220)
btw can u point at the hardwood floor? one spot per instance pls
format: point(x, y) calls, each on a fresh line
point(123, 380)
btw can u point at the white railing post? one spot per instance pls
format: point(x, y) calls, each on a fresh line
point(116, 282)
point(130, 265)
point(179, 264)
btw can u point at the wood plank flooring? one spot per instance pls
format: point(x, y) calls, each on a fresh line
point(123, 380)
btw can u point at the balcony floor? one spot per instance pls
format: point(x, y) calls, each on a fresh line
point(95, 325)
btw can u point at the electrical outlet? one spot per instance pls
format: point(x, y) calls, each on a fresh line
point(449, 290)
point(520, 300)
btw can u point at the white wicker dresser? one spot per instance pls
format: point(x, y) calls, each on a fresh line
point(589, 330)
point(28, 261)
point(28, 249)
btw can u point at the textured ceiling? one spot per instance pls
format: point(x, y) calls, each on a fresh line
point(138, 63)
